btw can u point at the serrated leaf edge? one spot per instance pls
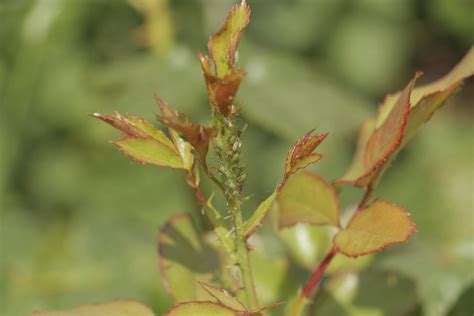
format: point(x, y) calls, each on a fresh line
point(405, 239)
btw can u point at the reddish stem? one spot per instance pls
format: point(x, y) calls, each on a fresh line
point(316, 276)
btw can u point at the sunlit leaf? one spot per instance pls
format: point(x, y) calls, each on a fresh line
point(200, 308)
point(307, 198)
point(258, 215)
point(117, 308)
point(375, 228)
point(145, 143)
point(222, 45)
point(302, 153)
point(224, 297)
point(146, 150)
point(185, 259)
point(398, 119)
point(224, 80)
point(184, 149)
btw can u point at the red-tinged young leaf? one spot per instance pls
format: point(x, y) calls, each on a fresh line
point(221, 91)
point(147, 150)
point(257, 217)
point(385, 141)
point(307, 198)
point(463, 70)
point(135, 127)
point(223, 81)
point(116, 308)
point(382, 142)
point(223, 45)
point(185, 258)
point(201, 308)
point(302, 153)
point(198, 135)
point(145, 143)
point(375, 228)
point(224, 297)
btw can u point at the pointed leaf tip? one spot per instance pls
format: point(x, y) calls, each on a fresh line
point(145, 143)
point(399, 118)
point(223, 45)
point(375, 228)
point(302, 153)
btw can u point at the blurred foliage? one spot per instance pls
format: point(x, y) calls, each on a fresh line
point(78, 222)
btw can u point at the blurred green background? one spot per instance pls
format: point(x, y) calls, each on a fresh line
point(78, 220)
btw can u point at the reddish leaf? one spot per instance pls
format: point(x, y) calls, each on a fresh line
point(223, 81)
point(198, 135)
point(221, 91)
point(374, 228)
point(398, 119)
point(302, 153)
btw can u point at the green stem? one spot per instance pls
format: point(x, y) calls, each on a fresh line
point(232, 175)
point(243, 257)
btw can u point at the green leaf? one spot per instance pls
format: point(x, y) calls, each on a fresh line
point(224, 297)
point(200, 308)
point(398, 119)
point(145, 143)
point(375, 228)
point(185, 259)
point(258, 215)
point(184, 148)
point(307, 198)
point(302, 153)
point(146, 150)
point(117, 308)
point(222, 45)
